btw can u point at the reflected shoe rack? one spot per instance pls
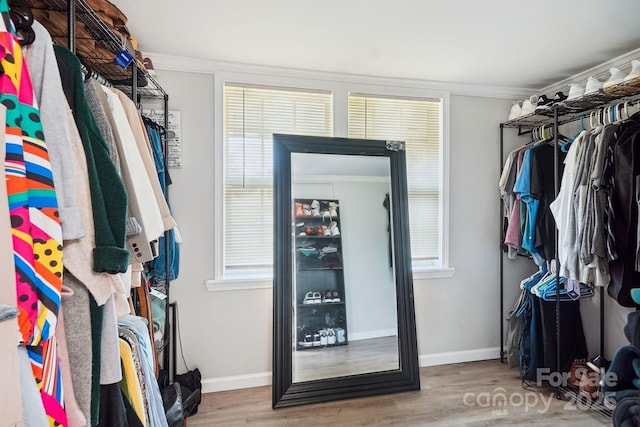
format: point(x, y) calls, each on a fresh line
point(321, 315)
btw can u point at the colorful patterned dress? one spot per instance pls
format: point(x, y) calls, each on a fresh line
point(35, 226)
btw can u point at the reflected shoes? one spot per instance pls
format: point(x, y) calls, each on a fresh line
point(324, 339)
point(315, 208)
point(333, 229)
point(331, 296)
point(312, 297)
point(333, 209)
point(308, 341)
point(331, 336)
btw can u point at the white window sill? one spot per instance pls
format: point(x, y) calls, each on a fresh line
point(239, 284)
point(433, 273)
point(245, 283)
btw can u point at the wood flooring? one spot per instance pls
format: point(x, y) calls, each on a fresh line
point(357, 357)
point(452, 395)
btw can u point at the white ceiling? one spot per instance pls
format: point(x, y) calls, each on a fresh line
point(508, 43)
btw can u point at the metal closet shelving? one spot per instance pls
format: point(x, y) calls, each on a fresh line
point(559, 114)
point(77, 26)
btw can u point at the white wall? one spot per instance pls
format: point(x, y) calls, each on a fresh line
point(227, 334)
point(458, 318)
point(224, 334)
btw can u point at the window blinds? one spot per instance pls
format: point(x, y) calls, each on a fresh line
point(252, 114)
point(417, 122)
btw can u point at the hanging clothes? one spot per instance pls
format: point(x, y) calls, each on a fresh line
point(35, 222)
point(11, 392)
point(108, 195)
point(154, 141)
point(624, 277)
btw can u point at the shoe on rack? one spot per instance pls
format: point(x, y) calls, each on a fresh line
point(597, 363)
point(559, 97)
point(312, 297)
point(340, 335)
point(308, 298)
point(593, 85)
point(299, 211)
point(575, 91)
point(529, 105)
point(324, 338)
point(335, 296)
point(316, 339)
point(308, 340)
point(578, 369)
point(325, 231)
point(590, 385)
point(315, 208)
point(331, 336)
point(306, 209)
point(333, 228)
point(328, 297)
point(329, 249)
point(544, 103)
point(333, 209)
point(635, 71)
point(615, 78)
point(516, 110)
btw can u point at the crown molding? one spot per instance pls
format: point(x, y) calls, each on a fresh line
point(208, 66)
point(623, 62)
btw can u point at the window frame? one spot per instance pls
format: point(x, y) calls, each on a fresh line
point(340, 86)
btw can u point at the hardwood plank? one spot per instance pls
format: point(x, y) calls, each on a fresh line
point(441, 402)
point(357, 357)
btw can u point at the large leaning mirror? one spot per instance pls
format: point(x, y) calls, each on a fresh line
point(344, 322)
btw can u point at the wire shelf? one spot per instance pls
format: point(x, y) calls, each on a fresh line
point(571, 110)
point(595, 404)
point(97, 44)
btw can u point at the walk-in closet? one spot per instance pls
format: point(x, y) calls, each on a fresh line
point(289, 213)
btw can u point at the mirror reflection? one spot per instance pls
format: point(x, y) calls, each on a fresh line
point(344, 293)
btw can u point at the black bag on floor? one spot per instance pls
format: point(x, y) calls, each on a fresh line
point(191, 386)
point(173, 406)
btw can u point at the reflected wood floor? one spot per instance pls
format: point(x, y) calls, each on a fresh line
point(357, 357)
point(441, 402)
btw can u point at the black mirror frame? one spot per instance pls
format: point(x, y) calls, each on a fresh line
point(285, 392)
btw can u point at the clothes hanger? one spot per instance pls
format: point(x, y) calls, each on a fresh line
point(22, 19)
point(565, 146)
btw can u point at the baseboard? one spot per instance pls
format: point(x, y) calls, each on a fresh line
point(367, 335)
point(236, 382)
point(448, 358)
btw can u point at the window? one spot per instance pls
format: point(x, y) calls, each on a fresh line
point(252, 114)
point(417, 122)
